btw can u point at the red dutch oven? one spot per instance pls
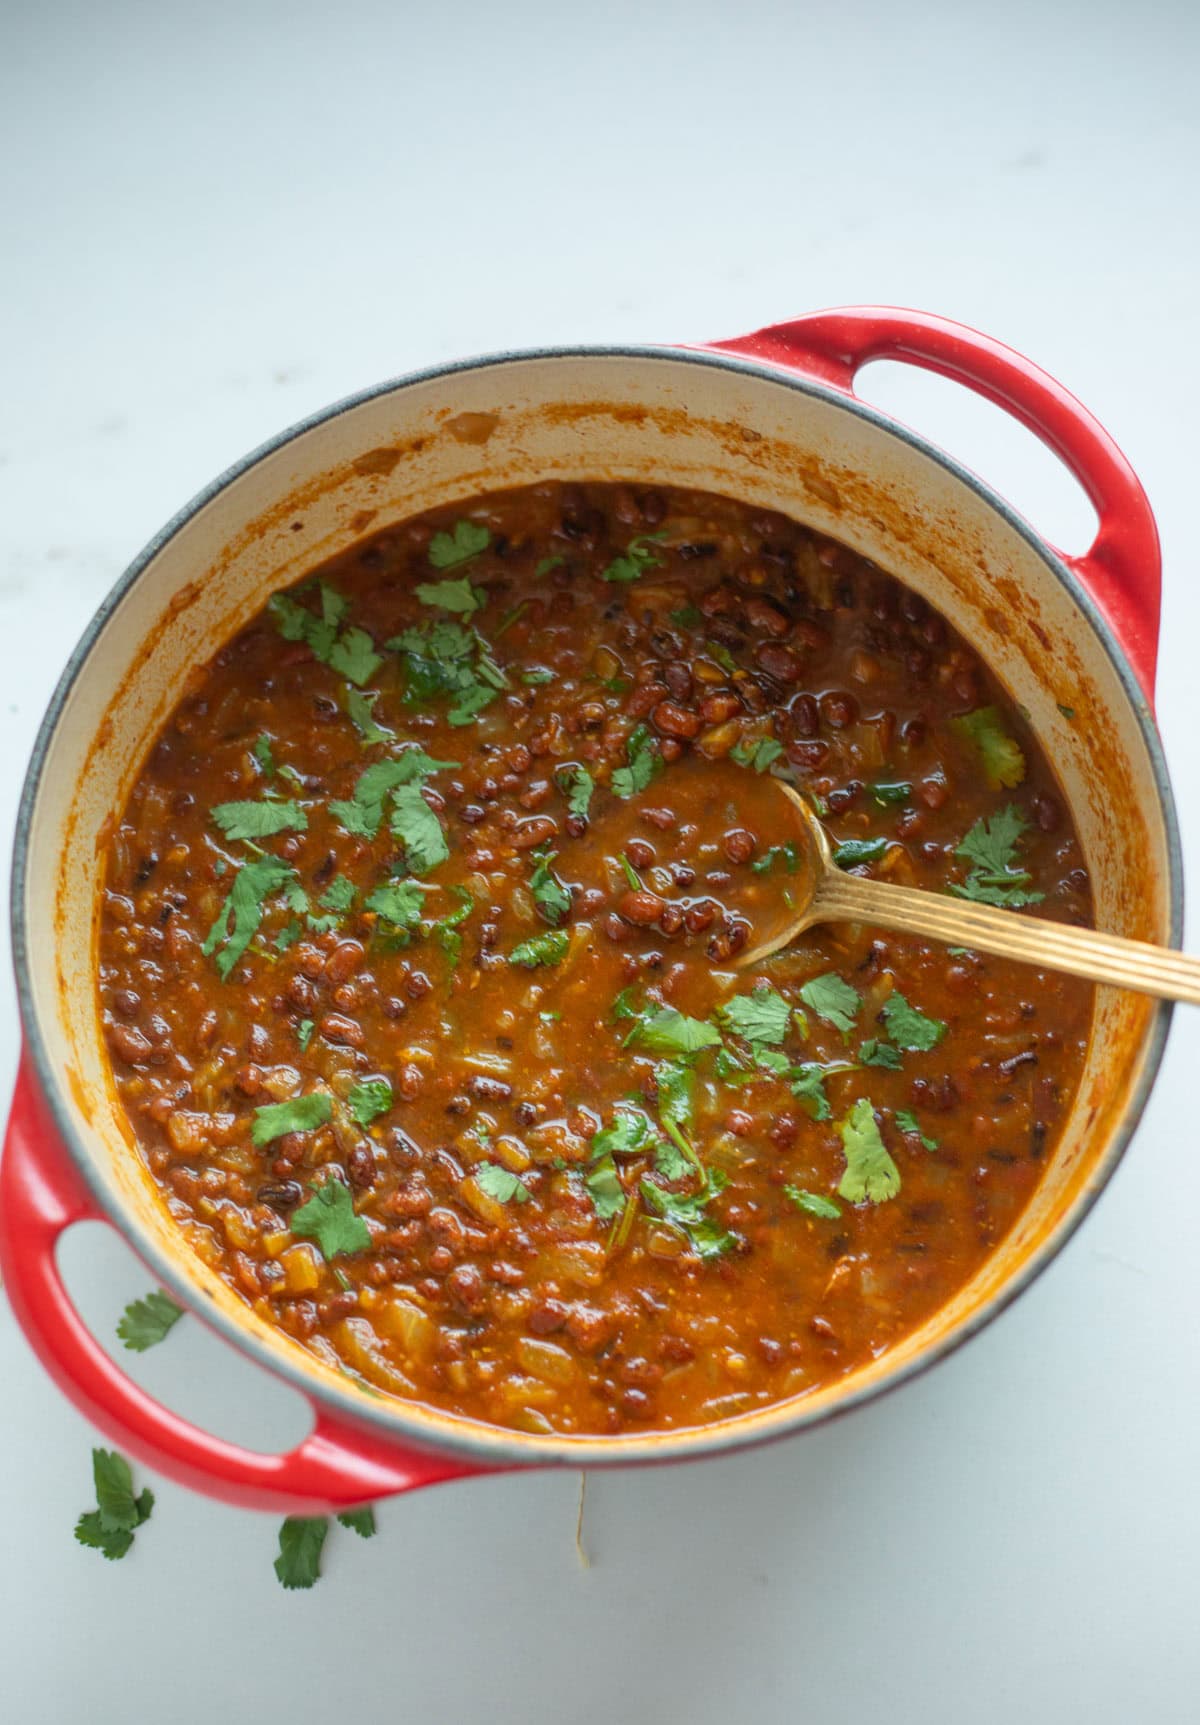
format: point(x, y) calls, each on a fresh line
point(771, 419)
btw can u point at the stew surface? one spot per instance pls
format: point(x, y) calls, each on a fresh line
point(417, 945)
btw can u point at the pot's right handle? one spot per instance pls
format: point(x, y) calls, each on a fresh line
point(41, 1195)
point(1123, 568)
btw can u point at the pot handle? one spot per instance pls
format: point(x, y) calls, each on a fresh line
point(1122, 569)
point(41, 1195)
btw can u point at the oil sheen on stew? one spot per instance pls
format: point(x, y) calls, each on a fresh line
point(416, 967)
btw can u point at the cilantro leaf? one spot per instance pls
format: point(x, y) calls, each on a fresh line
point(360, 1521)
point(465, 540)
point(909, 1028)
point(813, 1204)
point(304, 1032)
point(851, 853)
point(722, 656)
point(418, 829)
point(110, 1528)
point(706, 1237)
point(639, 556)
point(360, 709)
point(644, 764)
point(907, 1121)
point(670, 1163)
point(758, 1017)
point(470, 704)
point(577, 785)
point(888, 794)
point(536, 676)
point(254, 883)
point(548, 948)
point(666, 1030)
point(787, 855)
point(876, 1053)
point(870, 1175)
point(264, 755)
point(369, 1099)
point(676, 1082)
point(544, 565)
point(623, 1007)
point(328, 1217)
point(500, 1183)
point(301, 1538)
point(687, 617)
point(400, 903)
point(808, 1085)
point(1003, 761)
point(288, 935)
point(300, 1114)
point(756, 752)
point(145, 1322)
point(338, 895)
point(604, 1188)
point(990, 847)
point(549, 893)
point(252, 820)
point(629, 1132)
point(457, 595)
point(833, 1000)
point(353, 655)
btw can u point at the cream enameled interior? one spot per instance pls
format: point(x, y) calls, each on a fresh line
point(681, 421)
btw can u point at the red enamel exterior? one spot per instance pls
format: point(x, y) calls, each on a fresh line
point(340, 1464)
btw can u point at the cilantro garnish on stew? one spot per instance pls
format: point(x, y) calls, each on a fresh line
point(254, 883)
point(328, 1217)
point(1003, 761)
point(643, 763)
point(871, 1176)
point(465, 540)
point(639, 556)
point(832, 999)
point(995, 877)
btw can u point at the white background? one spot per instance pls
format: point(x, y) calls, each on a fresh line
point(217, 218)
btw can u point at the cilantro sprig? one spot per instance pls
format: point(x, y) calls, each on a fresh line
point(832, 999)
point(300, 1114)
point(465, 540)
point(110, 1527)
point(871, 1176)
point(146, 1322)
point(995, 876)
point(329, 1218)
point(643, 763)
point(638, 556)
point(240, 916)
point(350, 652)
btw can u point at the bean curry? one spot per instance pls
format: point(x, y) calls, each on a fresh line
point(418, 946)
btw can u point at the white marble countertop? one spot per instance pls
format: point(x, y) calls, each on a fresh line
point(217, 219)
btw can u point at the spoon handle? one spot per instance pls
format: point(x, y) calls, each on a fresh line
point(1157, 970)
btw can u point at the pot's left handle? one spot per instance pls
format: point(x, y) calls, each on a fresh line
point(41, 1195)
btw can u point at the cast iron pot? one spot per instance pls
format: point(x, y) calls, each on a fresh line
point(771, 419)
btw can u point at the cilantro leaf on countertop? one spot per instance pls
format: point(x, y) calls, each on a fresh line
point(300, 1114)
point(990, 847)
point(329, 1218)
point(145, 1322)
point(761, 1016)
point(501, 1183)
point(812, 1203)
point(644, 763)
point(456, 595)
point(370, 1098)
point(466, 539)
point(548, 948)
point(870, 1174)
point(549, 893)
point(909, 1028)
point(833, 1000)
point(253, 885)
point(254, 820)
point(638, 556)
point(360, 1521)
point(756, 752)
point(852, 853)
point(110, 1528)
point(301, 1538)
point(1003, 761)
point(418, 829)
point(577, 785)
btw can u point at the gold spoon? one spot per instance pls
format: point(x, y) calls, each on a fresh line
point(829, 895)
